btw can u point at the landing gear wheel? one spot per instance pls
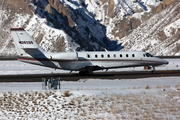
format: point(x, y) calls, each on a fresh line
point(88, 71)
point(83, 73)
point(153, 71)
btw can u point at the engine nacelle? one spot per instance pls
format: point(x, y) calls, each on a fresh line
point(64, 56)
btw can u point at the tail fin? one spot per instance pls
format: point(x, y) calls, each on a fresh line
point(24, 43)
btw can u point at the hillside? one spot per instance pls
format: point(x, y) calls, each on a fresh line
point(93, 25)
point(160, 35)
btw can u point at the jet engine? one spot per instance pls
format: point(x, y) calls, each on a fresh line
point(64, 56)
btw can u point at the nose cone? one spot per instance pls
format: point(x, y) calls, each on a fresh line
point(165, 62)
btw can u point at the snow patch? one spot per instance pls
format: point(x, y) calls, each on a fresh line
point(169, 29)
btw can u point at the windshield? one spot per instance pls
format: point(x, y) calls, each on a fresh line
point(149, 55)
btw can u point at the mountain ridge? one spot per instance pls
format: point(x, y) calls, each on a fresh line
point(86, 25)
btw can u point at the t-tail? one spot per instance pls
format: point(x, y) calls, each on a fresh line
point(29, 51)
point(25, 45)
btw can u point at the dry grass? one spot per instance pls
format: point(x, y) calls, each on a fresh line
point(177, 87)
point(49, 105)
point(158, 87)
point(66, 93)
point(167, 86)
point(147, 87)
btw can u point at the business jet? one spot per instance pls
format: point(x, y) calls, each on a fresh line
point(85, 62)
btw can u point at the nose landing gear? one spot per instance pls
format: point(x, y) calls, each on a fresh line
point(150, 68)
point(153, 71)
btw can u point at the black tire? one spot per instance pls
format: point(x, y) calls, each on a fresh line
point(83, 73)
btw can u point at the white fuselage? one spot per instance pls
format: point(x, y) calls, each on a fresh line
point(102, 60)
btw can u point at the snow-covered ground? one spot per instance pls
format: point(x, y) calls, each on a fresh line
point(17, 67)
point(147, 98)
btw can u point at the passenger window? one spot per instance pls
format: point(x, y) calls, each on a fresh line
point(133, 55)
point(120, 55)
point(88, 56)
point(102, 55)
point(127, 55)
point(96, 56)
point(114, 55)
point(108, 55)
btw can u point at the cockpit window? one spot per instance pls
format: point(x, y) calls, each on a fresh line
point(148, 55)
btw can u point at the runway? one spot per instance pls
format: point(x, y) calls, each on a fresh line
point(97, 75)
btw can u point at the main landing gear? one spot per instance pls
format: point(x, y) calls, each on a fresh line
point(83, 73)
point(89, 71)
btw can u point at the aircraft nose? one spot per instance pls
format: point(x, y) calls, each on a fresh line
point(165, 62)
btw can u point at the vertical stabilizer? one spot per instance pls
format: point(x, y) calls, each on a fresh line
point(24, 43)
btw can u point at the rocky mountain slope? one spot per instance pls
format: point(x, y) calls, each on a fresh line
point(88, 25)
point(160, 35)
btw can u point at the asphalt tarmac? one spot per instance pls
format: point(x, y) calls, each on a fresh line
point(97, 75)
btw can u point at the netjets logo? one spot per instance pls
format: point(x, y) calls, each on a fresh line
point(25, 42)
